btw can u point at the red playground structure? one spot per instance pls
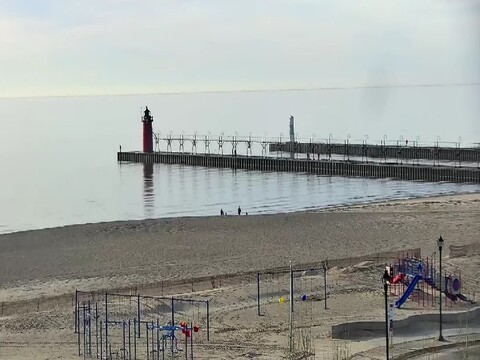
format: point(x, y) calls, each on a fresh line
point(419, 279)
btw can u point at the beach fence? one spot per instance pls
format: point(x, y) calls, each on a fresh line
point(134, 326)
point(464, 250)
point(31, 306)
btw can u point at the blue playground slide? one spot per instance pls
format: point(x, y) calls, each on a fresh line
point(407, 293)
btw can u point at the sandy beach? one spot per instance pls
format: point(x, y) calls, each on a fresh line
point(48, 265)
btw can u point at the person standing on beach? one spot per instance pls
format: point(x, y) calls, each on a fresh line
point(239, 210)
point(221, 212)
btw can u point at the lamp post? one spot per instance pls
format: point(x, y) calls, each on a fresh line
point(325, 282)
point(386, 279)
point(440, 246)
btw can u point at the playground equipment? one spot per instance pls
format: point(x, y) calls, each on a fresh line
point(123, 326)
point(420, 279)
point(164, 339)
point(274, 286)
point(289, 286)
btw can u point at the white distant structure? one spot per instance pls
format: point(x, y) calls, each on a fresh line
point(292, 129)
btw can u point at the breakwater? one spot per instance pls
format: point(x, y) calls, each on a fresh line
point(320, 167)
point(399, 151)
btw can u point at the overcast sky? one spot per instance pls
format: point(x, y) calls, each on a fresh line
point(73, 47)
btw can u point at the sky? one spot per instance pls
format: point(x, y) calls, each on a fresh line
point(95, 47)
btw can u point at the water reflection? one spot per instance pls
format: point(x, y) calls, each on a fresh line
point(148, 193)
point(138, 191)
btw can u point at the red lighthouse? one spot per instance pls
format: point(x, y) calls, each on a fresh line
point(147, 120)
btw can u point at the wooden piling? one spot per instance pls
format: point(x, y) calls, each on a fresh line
point(428, 173)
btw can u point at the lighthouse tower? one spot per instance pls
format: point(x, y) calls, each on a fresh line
point(147, 120)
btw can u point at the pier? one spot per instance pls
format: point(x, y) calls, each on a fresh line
point(360, 160)
point(319, 167)
point(400, 150)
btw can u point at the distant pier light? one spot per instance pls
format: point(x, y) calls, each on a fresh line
point(147, 120)
point(292, 129)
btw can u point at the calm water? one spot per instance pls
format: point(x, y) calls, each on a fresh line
point(58, 155)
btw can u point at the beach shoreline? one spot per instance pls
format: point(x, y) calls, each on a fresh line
point(332, 208)
point(119, 252)
point(469, 195)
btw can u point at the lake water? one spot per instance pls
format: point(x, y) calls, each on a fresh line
point(58, 155)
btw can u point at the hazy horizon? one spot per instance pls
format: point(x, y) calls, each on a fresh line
point(95, 47)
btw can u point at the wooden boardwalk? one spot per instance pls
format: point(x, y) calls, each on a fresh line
point(320, 167)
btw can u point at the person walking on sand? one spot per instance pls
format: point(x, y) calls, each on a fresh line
point(239, 210)
point(221, 212)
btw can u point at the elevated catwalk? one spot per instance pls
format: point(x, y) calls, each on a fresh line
point(399, 151)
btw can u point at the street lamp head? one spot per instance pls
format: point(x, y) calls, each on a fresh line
point(386, 277)
point(440, 243)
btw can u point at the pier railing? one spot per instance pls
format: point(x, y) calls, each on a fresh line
point(398, 151)
point(398, 159)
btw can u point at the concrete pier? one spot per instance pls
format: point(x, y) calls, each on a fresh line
point(320, 167)
point(400, 151)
